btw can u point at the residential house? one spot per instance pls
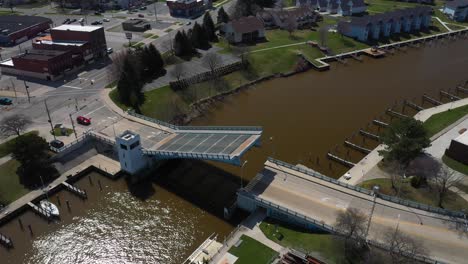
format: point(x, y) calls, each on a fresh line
point(342, 7)
point(244, 29)
point(384, 25)
point(429, 2)
point(457, 10)
point(275, 18)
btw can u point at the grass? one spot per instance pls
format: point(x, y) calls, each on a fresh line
point(168, 30)
point(6, 147)
point(8, 12)
point(10, 187)
point(112, 84)
point(154, 36)
point(422, 195)
point(455, 165)
point(58, 132)
point(324, 246)
point(250, 251)
point(438, 122)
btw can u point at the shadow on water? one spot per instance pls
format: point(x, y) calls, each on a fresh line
point(205, 186)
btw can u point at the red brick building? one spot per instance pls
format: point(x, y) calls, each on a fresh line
point(16, 29)
point(187, 8)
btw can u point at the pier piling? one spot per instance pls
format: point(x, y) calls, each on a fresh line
point(431, 100)
point(369, 135)
point(346, 163)
point(20, 224)
point(30, 230)
point(100, 186)
point(357, 147)
point(449, 95)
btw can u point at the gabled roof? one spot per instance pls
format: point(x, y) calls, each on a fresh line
point(396, 14)
point(457, 4)
point(246, 24)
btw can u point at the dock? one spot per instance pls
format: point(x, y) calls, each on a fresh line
point(369, 135)
point(79, 192)
point(450, 96)
point(462, 89)
point(41, 212)
point(380, 123)
point(6, 241)
point(414, 106)
point(357, 147)
point(396, 114)
point(431, 100)
point(346, 163)
point(356, 56)
point(375, 53)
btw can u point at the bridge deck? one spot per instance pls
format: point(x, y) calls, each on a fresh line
point(322, 200)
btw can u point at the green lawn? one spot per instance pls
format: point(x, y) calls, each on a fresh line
point(324, 246)
point(422, 195)
point(5, 147)
point(381, 6)
point(10, 187)
point(250, 251)
point(442, 120)
point(58, 132)
point(455, 165)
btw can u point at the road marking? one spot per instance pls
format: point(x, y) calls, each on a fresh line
point(73, 87)
point(94, 110)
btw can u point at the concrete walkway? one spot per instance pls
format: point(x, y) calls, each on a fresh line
point(5, 159)
point(443, 23)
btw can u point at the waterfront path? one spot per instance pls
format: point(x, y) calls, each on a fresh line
point(444, 237)
point(104, 163)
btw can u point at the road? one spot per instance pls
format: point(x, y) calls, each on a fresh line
point(443, 237)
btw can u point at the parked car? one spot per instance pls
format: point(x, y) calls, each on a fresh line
point(81, 20)
point(95, 23)
point(73, 20)
point(83, 120)
point(56, 144)
point(110, 50)
point(141, 15)
point(106, 20)
point(188, 23)
point(143, 8)
point(5, 101)
point(66, 21)
point(97, 13)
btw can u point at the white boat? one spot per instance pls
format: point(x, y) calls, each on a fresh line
point(49, 207)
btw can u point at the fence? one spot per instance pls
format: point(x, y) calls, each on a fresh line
point(188, 155)
point(184, 83)
point(195, 128)
point(368, 192)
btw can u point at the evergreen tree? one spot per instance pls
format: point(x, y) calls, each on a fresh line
point(223, 17)
point(199, 37)
point(158, 61)
point(130, 84)
point(179, 44)
point(209, 27)
point(151, 62)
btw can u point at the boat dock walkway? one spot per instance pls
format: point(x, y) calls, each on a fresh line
point(40, 211)
point(81, 193)
point(6, 241)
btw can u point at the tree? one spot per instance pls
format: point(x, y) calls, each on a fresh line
point(14, 125)
point(182, 45)
point(152, 62)
point(130, 85)
point(209, 27)
point(116, 67)
point(402, 248)
point(291, 25)
point(352, 223)
point(244, 8)
point(32, 152)
point(199, 37)
point(323, 36)
point(212, 61)
point(443, 180)
point(404, 140)
point(178, 71)
point(223, 17)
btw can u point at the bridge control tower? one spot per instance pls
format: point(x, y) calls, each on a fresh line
point(131, 156)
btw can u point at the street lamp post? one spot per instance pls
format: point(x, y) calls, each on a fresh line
point(242, 172)
point(272, 147)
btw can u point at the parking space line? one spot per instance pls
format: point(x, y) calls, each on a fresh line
point(73, 87)
point(231, 143)
point(206, 151)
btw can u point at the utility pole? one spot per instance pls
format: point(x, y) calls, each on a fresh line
point(73, 126)
point(50, 119)
point(155, 12)
point(27, 91)
point(242, 172)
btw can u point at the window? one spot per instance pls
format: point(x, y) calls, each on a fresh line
point(132, 146)
point(122, 146)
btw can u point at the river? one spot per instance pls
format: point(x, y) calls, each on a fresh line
point(303, 116)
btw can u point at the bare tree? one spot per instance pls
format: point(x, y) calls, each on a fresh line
point(443, 180)
point(352, 223)
point(243, 53)
point(116, 67)
point(14, 125)
point(169, 44)
point(212, 60)
point(402, 248)
point(323, 36)
point(178, 71)
point(291, 24)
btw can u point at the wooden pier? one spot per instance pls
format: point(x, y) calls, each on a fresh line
point(357, 147)
point(396, 114)
point(41, 212)
point(369, 135)
point(6, 241)
point(380, 123)
point(414, 106)
point(450, 96)
point(346, 163)
point(356, 56)
point(431, 100)
point(79, 192)
point(462, 89)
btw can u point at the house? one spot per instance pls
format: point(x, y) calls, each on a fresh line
point(456, 10)
point(136, 24)
point(341, 7)
point(301, 16)
point(386, 24)
point(244, 29)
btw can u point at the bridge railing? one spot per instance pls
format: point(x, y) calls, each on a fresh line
point(215, 128)
point(193, 155)
point(329, 228)
point(369, 192)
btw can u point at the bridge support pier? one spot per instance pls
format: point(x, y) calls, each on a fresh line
point(130, 152)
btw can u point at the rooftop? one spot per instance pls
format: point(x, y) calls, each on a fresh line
point(457, 3)
point(42, 55)
point(246, 24)
point(14, 23)
point(463, 138)
point(77, 28)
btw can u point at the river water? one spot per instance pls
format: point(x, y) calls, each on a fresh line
point(306, 115)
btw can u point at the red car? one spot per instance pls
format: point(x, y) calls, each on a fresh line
point(141, 15)
point(83, 120)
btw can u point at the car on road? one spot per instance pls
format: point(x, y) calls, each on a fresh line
point(81, 20)
point(97, 13)
point(66, 21)
point(73, 20)
point(188, 23)
point(106, 20)
point(5, 101)
point(141, 15)
point(143, 8)
point(83, 120)
point(110, 50)
point(56, 144)
point(96, 23)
